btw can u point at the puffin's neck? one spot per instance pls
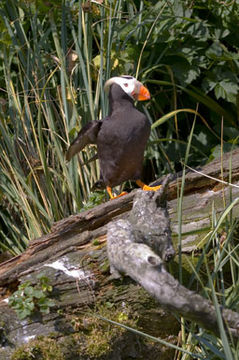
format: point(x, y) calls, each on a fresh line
point(120, 104)
point(119, 100)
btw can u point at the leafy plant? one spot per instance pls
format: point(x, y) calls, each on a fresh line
point(95, 199)
point(30, 298)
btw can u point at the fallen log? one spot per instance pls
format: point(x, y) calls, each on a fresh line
point(73, 257)
point(201, 190)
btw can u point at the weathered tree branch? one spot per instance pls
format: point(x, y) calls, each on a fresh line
point(136, 248)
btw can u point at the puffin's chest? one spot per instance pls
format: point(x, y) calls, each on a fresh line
point(124, 127)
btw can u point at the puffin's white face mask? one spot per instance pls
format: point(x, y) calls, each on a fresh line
point(131, 86)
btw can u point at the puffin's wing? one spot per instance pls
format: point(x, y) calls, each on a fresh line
point(87, 135)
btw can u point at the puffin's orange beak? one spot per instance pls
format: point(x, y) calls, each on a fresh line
point(143, 93)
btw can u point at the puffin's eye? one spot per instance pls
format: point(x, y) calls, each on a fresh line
point(126, 85)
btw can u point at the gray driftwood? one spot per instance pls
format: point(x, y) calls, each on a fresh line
point(138, 261)
point(138, 248)
point(77, 267)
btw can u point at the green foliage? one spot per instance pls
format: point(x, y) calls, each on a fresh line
point(95, 199)
point(30, 298)
point(220, 260)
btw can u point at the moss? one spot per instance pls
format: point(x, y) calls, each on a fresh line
point(39, 349)
point(105, 267)
point(94, 338)
point(100, 335)
point(3, 333)
point(98, 342)
point(95, 242)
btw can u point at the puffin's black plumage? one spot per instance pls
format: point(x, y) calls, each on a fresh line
point(120, 137)
point(87, 135)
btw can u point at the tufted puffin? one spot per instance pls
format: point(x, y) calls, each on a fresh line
point(120, 137)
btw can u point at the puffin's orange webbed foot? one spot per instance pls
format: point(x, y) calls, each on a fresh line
point(146, 187)
point(109, 191)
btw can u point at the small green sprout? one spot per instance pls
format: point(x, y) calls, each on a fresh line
point(95, 198)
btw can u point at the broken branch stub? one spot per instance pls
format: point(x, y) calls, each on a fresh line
point(150, 219)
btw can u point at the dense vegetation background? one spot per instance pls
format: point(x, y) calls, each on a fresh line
point(55, 56)
point(54, 59)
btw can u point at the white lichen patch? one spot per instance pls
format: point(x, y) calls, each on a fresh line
point(26, 339)
point(69, 270)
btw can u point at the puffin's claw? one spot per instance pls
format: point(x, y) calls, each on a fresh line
point(146, 187)
point(109, 191)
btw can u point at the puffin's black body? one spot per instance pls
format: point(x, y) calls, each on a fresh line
point(121, 137)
